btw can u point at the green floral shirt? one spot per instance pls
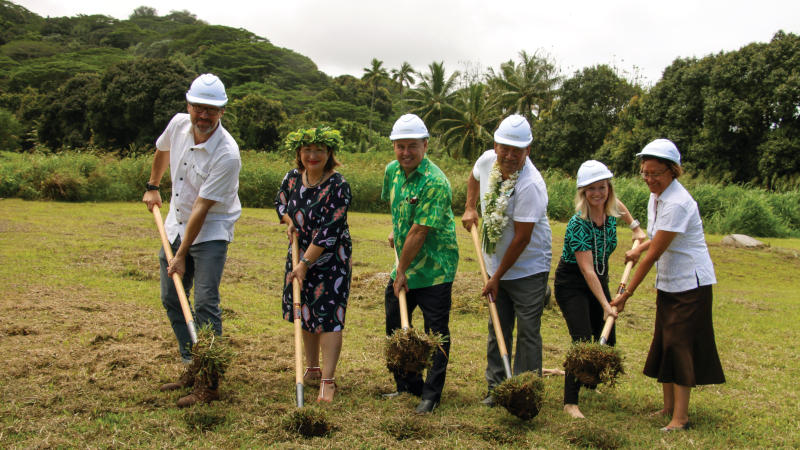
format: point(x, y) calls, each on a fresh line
point(424, 198)
point(583, 235)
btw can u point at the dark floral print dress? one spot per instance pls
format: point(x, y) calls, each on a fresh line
point(320, 216)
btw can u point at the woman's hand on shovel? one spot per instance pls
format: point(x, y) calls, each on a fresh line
point(619, 301)
point(298, 272)
point(609, 311)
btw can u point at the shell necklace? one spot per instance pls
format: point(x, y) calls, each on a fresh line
point(601, 269)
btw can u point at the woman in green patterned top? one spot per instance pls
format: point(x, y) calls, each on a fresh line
point(581, 284)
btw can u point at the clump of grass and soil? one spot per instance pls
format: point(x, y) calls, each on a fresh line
point(585, 434)
point(407, 427)
point(592, 363)
point(522, 395)
point(211, 356)
point(307, 421)
point(411, 350)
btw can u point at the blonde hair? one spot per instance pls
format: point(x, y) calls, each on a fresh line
point(582, 206)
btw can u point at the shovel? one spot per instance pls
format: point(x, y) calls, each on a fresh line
point(401, 299)
point(610, 320)
point(298, 339)
point(187, 312)
point(498, 332)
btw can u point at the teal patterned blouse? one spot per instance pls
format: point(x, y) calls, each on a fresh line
point(583, 235)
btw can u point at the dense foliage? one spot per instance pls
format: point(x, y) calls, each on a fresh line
point(96, 82)
point(72, 176)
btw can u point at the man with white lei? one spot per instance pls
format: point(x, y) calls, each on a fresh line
point(516, 245)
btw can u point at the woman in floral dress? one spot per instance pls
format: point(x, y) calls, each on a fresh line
point(313, 202)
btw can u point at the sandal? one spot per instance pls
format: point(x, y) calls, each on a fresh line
point(312, 375)
point(326, 382)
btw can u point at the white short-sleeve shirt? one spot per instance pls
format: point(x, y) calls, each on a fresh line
point(686, 263)
point(209, 170)
point(528, 203)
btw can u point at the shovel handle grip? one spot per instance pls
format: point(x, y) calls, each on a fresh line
point(298, 328)
point(495, 318)
point(401, 299)
point(625, 274)
point(187, 312)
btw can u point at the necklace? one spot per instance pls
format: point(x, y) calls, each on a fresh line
point(496, 201)
point(313, 185)
point(597, 269)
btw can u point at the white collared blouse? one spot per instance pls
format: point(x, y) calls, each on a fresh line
point(686, 263)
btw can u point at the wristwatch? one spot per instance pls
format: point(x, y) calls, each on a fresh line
point(150, 187)
point(634, 224)
point(304, 260)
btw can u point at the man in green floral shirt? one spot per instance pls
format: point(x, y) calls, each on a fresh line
point(424, 234)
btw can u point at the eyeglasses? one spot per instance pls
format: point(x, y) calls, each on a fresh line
point(652, 174)
point(317, 152)
point(210, 110)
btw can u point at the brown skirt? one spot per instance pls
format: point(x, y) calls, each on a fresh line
point(683, 350)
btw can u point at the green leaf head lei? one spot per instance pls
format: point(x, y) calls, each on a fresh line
point(320, 135)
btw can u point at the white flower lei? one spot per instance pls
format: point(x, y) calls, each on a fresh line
point(496, 201)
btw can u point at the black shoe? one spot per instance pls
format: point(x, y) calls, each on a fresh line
point(426, 406)
point(391, 394)
point(488, 401)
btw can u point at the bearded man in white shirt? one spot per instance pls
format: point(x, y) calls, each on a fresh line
point(204, 167)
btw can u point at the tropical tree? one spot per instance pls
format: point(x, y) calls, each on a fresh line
point(527, 87)
point(467, 127)
point(136, 99)
point(404, 75)
point(257, 121)
point(374, 76)
point(586, 111)
point(433, 94)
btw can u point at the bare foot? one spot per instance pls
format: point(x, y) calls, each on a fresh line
point(573, 411)
point(550, 372)
point(660, 412)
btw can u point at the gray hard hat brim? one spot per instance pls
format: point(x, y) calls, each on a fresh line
point(595, 180)
point(397, 137)
point(518, 144)
point(205, 101)
point(640, 154)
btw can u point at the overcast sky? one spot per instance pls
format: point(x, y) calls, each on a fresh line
point(638, 37)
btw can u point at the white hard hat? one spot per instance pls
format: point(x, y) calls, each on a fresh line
point(409, 126)
point(591, 171)
point(662, 148)
point(515, 131)
point(207, 89)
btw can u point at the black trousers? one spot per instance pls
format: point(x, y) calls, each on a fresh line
point(434, 302)
point(583, 314)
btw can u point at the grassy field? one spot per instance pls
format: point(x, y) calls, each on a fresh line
point(87, 344)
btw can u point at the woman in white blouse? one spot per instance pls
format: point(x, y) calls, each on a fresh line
point(683, 353)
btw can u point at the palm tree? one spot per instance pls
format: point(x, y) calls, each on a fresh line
point(467, 127)
point(404, 76)
point(434, 92)
point(373, 76)
point(527, 88)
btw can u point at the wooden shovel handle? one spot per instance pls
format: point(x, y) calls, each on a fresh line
point(401, 298)
point(298, 328)
point(610, 320)
point(187, 312)
point(498, 331)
